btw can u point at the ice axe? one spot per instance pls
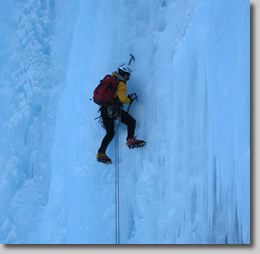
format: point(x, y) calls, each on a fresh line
point(132, 102)
point(131, 58)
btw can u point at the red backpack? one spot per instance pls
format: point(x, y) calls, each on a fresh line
point(105, 91)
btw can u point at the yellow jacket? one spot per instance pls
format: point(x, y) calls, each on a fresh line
point(121, 91)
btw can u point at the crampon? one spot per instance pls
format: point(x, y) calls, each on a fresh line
point(135, 143)
point(103, 158)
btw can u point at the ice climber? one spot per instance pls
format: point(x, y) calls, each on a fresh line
point(114, 86)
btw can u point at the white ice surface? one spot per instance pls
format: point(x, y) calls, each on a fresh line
point(190, 185)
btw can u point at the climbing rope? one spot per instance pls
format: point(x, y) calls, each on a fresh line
point(117, 217)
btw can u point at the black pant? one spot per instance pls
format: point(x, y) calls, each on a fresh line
point(110, 128)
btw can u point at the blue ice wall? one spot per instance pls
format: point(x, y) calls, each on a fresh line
point(191, 184)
